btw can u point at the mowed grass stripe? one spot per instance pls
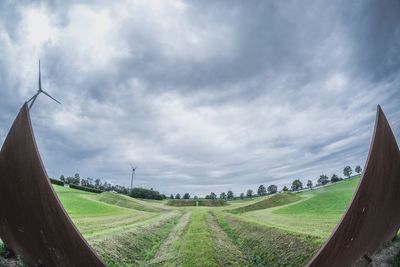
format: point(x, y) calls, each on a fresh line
point(205, 244)
point(165, 254)
point(195, 246)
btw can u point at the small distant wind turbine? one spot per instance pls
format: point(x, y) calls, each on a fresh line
point(133, 174)
point(40, 90)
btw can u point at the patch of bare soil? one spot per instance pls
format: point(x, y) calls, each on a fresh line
point(387, 256)
point(10, 262)
point(164, 252)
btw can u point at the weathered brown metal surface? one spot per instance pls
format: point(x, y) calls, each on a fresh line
point(32, 220)
point(373, 216)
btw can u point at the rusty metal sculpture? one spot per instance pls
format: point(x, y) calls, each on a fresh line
point(32, 220)
point(373, 217)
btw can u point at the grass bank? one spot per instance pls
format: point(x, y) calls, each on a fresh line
point(317, 214)
point(125, 202)
point(94, 217)
point(276, 200)
point(268, 246)
point(135, 247)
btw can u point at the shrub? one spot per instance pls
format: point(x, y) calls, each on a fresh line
point(55, 181)
point(87, 189)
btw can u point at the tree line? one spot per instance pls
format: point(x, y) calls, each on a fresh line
point(324, 179)
point(77, 182)
point(296, 185)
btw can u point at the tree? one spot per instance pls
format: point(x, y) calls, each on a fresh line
point(222, 195)
point(309, 184)
point(242, 196)
point(297, 185)
point(97, 183)
point(62, 178)
point(186, 196)
point(347, 171)
point(171, 196)
point(77, 179)
point(323, 179)
point(358, 169)
point(178, 196)
point(213, 195)
point(140, 192)
point(335, 178)
point(262, 191)
point(249, 193)
point(230, 195)
point(195, 197)
point(285, 189)
point(272, 189)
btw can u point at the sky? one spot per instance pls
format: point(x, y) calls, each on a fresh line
point(201, 95)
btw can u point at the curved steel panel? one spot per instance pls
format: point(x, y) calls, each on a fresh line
point(373, 216)
point(32, 220)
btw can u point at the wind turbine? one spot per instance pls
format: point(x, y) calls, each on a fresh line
point(40, 90)
point(133, 174)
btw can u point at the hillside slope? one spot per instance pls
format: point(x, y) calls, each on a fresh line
point(317, 214)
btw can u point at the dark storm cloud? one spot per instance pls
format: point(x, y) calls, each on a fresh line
point(202, 95)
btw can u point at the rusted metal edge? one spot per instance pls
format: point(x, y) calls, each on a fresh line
point(33, 222)
point(373, 217)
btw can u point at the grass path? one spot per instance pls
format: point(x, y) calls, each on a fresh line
point(204, 243)
point(164, 253)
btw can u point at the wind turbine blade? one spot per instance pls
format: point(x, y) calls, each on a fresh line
point(40, 79)
point(44, 92)
point(33, 100)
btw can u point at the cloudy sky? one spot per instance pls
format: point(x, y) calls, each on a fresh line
point(201, 95)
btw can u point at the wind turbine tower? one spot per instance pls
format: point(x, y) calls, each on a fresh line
point(133, 174)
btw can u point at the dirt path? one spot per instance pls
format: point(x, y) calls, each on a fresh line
point(227, 253)
point(164, 252)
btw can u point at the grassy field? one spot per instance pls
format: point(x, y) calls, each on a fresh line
point(94, 217)
point(269, 202)
point(278, 230)
point(316, 213)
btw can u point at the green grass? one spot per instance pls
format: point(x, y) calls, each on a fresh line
point(80, 203)
point(125, 202)
point(317, 214)
point(2, 247)
point(135, 247)
point(94, 217)
point(195, 247)
point(280, 230)
point(269, 202)
point(268, 246)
